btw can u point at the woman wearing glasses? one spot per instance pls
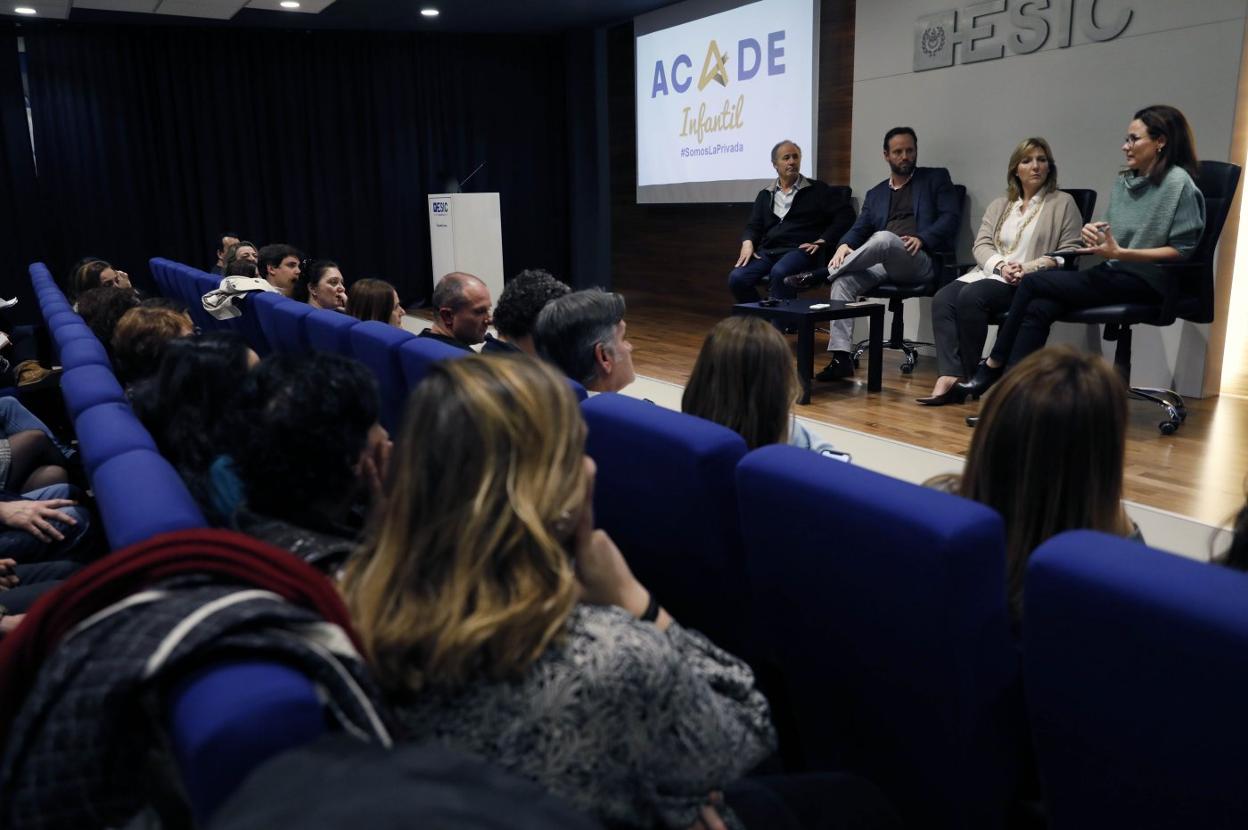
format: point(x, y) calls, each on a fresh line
point(1156, 214)
point(1032, 217)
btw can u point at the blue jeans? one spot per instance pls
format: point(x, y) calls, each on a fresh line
point(742, 280)
point(16, 418)
point(36, 580)
point(77, 544)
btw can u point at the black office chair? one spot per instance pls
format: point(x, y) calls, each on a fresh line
point(944, 270)
point(1190, 298)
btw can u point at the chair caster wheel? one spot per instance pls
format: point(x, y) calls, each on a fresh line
point(906, 368)
point(1168, 427)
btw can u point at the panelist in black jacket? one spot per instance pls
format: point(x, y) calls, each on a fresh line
point(793, 221)
point(905, 217)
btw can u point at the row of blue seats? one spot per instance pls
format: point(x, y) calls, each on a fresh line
point(137, 492)
point(876, 612)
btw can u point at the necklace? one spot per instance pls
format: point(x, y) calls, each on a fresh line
point(903, 184)
point(1027, 220)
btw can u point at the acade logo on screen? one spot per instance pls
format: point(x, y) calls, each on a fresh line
point(749, 63)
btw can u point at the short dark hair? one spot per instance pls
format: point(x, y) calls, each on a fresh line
point(272, 255)
point(568, 329)
point(221, 237)
point(301, 421)
point(523, 298)
point(896, 131)
point(310, 273)
point(101, 308)
point(780, 144)
point(242, 268)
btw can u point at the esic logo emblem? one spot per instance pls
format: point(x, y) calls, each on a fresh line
point(715, 65)
point(441, 207)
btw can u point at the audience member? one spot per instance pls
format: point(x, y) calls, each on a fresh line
point(793, 222)
point(461, 307)
point(242, 268)
point(185, 404)
point(320, 285)
point(583, 334)
point(306, 446)
point(1156, 214)
point(279, 264)
point(101, 308)
point(244, 251)
point(522, 299)
point(904, 218)
point(745, 378)
point(1017, 229)
point(1048, 454)
point(93, 273)
point(501, 623)
point(44, 525)
point(372, 299)
point(140, 339)
point(226, 241)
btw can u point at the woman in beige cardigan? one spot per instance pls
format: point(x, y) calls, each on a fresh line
point(1018, 228)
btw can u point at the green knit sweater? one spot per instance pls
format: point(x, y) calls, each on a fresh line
point(1147, 215)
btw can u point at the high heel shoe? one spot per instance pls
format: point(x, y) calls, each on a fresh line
point(985, 377)
point(954, 394)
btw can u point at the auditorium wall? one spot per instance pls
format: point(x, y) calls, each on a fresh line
point(970, 115)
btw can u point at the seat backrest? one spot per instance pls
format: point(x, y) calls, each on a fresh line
point(107, 430)
point(1194, 277)
point(417, 354)
point(1085, 200)
point(88, 385)
point(282, 319)
point(883, 606)
point(665, 493)
point(1137, 661)
point(228, 718)
point(84, 351)
point(945, 261)
point(139, 495)
point(329, 331)
point(376, 345)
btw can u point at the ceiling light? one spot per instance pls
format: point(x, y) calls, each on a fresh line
point(25, 10)
point(289, 4)
point(429, 12)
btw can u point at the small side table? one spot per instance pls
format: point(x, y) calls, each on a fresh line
point(799, 314)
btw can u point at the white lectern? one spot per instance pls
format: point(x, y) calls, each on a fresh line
point(466, 234)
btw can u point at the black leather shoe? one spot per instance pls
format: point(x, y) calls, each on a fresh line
point(839, 368)
point(985, 377)
point(806, 279)
point(954, 394)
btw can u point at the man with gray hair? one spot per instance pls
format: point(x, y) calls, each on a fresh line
point(461, 308)
point(583, 334)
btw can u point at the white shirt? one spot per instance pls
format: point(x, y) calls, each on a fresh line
point(781, 201)
point(1010, 231)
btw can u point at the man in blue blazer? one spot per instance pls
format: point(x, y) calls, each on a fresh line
point(912, 212)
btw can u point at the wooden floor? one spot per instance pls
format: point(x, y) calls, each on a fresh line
point(1198, 472)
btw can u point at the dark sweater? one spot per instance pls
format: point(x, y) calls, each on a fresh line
point(817, 212)
point(450, 341)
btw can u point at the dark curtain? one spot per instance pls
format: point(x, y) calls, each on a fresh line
point(20, 233)
point(152, 140)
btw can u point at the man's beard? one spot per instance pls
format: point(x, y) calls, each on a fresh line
point(903, 169)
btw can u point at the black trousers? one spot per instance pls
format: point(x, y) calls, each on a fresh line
point(960, 315)
point(1045, 296)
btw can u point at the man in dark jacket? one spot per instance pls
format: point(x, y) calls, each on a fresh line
point(904, 218)
point(793, 222)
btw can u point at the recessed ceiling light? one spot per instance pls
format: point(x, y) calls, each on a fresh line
point(289, 4)
point(429, 12)
point(25, 10)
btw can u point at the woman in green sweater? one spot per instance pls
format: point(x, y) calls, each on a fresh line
point(1156, 214)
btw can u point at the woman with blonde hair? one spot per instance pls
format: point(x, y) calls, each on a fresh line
point(1048, 454)
point(498, 621)
point(745, 378)
point(1018, 228)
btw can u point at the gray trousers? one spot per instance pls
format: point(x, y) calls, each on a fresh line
point(882, 258)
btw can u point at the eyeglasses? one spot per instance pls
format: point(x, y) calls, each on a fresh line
point(1132, 138)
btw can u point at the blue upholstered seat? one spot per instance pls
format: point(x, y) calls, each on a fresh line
point(666, 495)
point(417, 354)
point(329, 331)
point(83, 351)
point(107, 430)
point(139, 494)
point(281, 320)
point(377, 345)
point(89, 385)
point(1137, 669)
point(228, 718)
point(887, 631)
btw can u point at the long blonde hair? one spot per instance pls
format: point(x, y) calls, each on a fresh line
point(1048, 453)
point(1013, 187)
point(745, 378)
point(465, 572)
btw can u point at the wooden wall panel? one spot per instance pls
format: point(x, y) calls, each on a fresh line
point(679, 256)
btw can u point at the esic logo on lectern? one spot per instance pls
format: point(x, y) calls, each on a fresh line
point(731, 116)
point(441, 207)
